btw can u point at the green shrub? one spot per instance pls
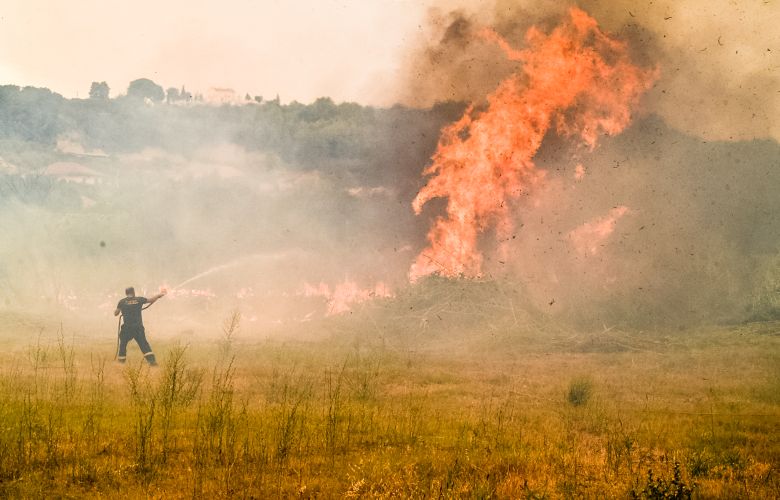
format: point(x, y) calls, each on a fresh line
point(657, 488)
point(580, 391)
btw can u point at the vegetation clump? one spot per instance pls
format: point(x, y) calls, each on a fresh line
point(658, 488)
point(580, 391)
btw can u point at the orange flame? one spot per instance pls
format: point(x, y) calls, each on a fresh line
point(578, 80)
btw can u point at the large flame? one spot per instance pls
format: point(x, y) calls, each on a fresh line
point(576, 79)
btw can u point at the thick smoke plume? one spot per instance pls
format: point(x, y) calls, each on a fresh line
point(290, 212)
point(658, 225)
point(575, 80)
point(720, 78)
point(249, 206)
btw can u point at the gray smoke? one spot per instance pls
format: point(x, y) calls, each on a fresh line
point(720, 73)
point(697, 173)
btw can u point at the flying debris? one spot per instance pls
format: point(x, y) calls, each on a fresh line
point(576, 80)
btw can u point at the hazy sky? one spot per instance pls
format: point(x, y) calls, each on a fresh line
point(719, 59)
point(301, 49)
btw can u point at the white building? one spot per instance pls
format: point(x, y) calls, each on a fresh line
point(73, 172)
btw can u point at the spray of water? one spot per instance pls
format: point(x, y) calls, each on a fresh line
point(218, 268)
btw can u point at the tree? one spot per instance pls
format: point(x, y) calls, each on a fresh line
point(172, 95)
point(99, 90)
point(322, 109)
point(143, 88)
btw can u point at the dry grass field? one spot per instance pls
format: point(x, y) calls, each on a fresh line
point(344, 410)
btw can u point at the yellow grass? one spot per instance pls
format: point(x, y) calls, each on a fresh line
point(353, 412)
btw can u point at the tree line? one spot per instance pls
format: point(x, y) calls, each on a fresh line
point(147, 116)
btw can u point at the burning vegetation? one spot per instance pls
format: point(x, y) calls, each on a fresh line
point(575, 298)
point(554, 173)
point(577, 81)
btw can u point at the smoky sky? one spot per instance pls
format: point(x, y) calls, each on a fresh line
point(279, 195)
point(719, 61)
point(692, 180)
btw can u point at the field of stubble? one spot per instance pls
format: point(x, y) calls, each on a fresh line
point(350, 409)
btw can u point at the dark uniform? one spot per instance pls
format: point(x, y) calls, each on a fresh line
point(133, 328)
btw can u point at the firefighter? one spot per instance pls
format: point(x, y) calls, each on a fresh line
point(133, 326)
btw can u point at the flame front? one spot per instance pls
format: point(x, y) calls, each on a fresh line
point(576, 79)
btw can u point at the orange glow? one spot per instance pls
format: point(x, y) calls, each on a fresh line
point(589, 237)
point(343, 296)
point(576, 79)
point(579, 172)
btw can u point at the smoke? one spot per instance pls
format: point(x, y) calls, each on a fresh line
point(666, 223)
point(242, 206)
point(684, 238)
point(720, 77)
point(576, 80)
point(284, 210)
